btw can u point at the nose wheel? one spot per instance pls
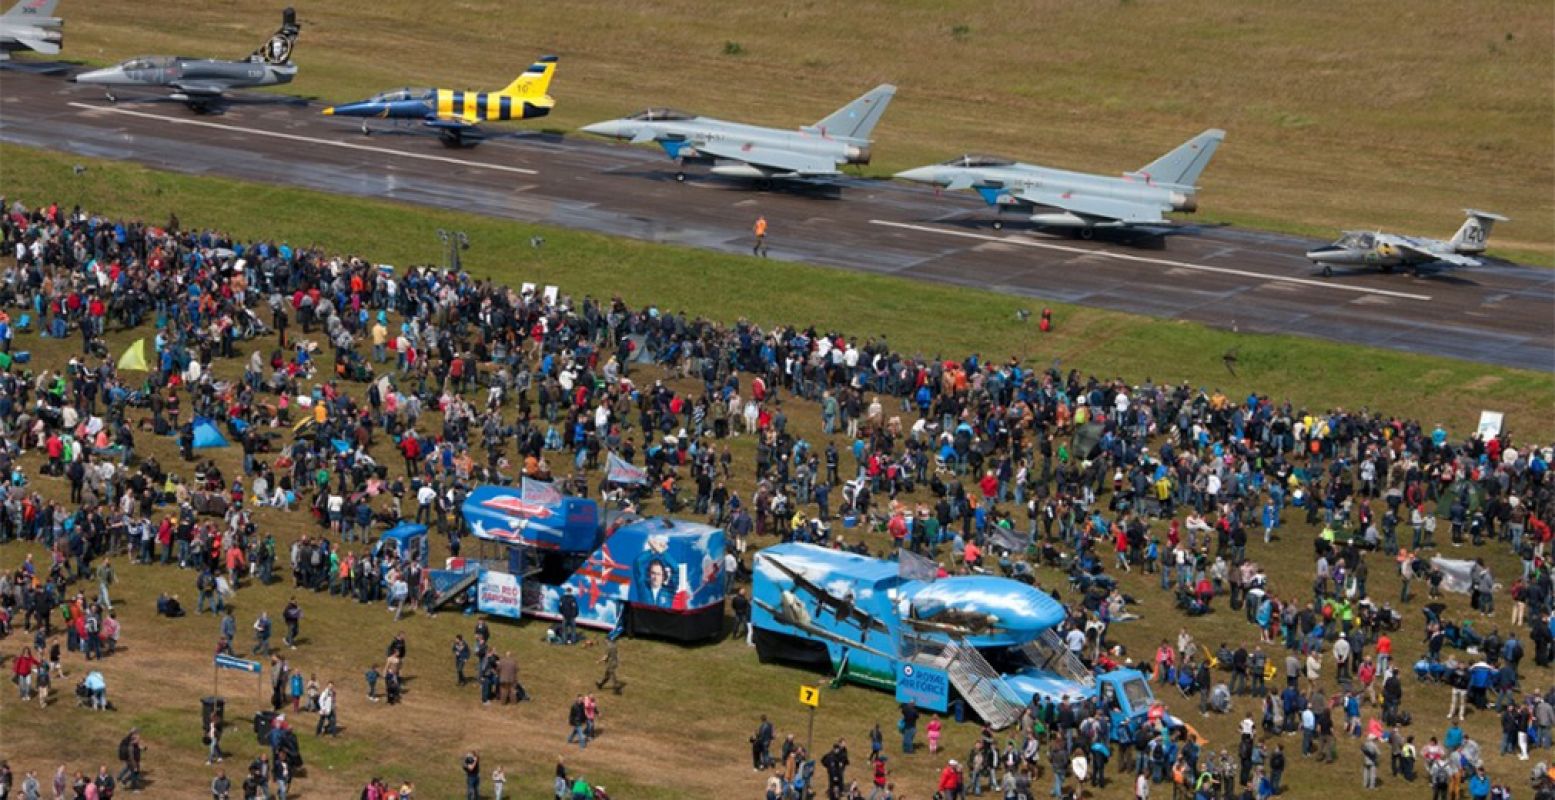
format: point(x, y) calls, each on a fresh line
point(998, 224)
point(111, 97)
point(1328, 272)
point(680, 177)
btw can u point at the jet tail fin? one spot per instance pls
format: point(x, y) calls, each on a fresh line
point(535, 80)
point(856, 120)
point(278, 49)
point(1471, 237)
point(30, 9)
point(1181, 167)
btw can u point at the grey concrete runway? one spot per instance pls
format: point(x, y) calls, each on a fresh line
point(1257, 281)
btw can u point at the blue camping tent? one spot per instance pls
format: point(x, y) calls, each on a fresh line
point(206, 434)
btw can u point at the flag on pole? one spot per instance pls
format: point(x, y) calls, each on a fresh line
point(540, 492)
point(913, 567)
point(134, 356)
point(619, 471)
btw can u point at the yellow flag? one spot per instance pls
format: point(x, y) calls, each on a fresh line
point(134, 357)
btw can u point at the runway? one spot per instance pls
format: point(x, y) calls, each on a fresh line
point(1252, 281)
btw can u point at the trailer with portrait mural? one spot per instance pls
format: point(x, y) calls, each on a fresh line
point(655, 576)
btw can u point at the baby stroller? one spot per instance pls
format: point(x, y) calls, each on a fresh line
point(802, 788)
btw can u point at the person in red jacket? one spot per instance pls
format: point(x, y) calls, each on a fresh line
point(22, 668)
point(411, 448)
point(950, 781)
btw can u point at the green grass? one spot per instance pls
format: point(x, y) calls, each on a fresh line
point(924, 319)
point(1374, 116)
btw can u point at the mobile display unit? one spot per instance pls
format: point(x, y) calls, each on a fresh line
point(993, 640)
point(658, 576)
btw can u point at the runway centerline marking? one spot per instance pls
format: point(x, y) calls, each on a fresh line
point(309, 139)
point(1167, 262)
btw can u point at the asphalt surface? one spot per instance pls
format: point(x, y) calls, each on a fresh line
point(1252, 281)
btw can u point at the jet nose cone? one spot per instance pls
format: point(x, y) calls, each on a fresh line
point(328, 111)
point(613, 129)
point(919, 175)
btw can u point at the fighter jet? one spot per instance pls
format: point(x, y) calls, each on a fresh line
point(737, 150)
point(31, 25)
point(1390, 250)
point(1085, 202)
point(455, 114)
point(791, 611)
point(843, 608)
point(957, 621)
point(201, 82)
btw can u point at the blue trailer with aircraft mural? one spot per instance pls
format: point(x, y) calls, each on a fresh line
point(992, 641)
point(656, 576)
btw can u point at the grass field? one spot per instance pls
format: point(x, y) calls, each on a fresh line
point(1361, 115)
point(677, 732)
point(680, 729)
point(927, 319)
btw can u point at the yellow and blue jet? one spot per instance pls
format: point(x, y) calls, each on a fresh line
point(455, 114)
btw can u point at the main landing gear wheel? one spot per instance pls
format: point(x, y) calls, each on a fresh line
point(998, 224)
point(1087, 234)
point(680, 177)
point(366, 131)
point(1328, 272)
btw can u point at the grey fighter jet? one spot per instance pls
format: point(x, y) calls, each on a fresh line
point(737, 150)
point(31, 25)
point(201, 82)
point(1387, 251)
point(1060, 198)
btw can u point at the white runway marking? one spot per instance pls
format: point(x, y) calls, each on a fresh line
point(309, 139)
point(1166, 262)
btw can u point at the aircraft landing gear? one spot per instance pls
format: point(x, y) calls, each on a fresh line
point(680, 177)
point(111, 97)
point(998, 224)
point(1087, 233)
point(366, 131)
point(452, 140)
point(1328, 272)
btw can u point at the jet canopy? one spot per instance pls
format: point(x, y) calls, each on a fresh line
point(1357, 240)
point(661, 115)
point(975, 160)
point(396, 95)
point(149, 62)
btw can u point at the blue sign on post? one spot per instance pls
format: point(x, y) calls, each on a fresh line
point(232, 662)
point(922, 686)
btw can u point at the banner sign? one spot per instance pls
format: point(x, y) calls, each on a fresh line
point(242, 665)
point(922, 686)
point(499, 595)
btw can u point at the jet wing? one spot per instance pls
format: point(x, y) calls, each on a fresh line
point(770, 157)
point(39, 45)
point(1423, 254)
point(1091, 206)
point(206, 89)
point(450, 122)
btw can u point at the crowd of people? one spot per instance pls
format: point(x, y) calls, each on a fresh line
point(985, 464)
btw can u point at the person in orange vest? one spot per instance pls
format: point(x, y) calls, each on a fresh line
point(760, 229)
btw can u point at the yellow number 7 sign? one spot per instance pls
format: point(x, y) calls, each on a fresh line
point(810, 696)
